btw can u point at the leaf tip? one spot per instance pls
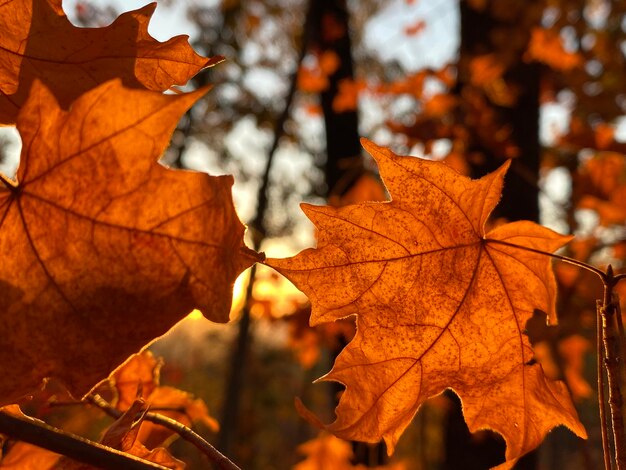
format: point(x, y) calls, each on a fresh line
point(370, 146)
point(502, 170)
point(147, 10)
point(390, 443)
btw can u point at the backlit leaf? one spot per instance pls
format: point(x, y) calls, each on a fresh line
point(39, 42)
point(103, 249)
point(440, 304)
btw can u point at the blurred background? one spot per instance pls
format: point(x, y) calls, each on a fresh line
point(472, 83)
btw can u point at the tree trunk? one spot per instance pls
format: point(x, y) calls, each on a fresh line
point(343, 148)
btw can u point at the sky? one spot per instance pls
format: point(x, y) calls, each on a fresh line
point(385, 35)
point(167, 21)
point(433, 47)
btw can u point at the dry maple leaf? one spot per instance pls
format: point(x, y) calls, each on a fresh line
point(439, 303)
point(103, 249)
point(39, 42)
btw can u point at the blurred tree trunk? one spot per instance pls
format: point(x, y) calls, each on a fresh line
point(344, 164)
point(504, 35)
point(239, 360)
point(343, 149)
point(484, 33)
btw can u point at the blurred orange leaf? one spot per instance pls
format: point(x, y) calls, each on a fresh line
point(24, 456)
point(601, 186)
point(103, 248)
point(141, 373)
point(440, 105)
point(415, 28)
point(328, 452)
point(439, 303)
point(366, 188)
point(347, 96)
point(545, 46)
point(329, 62)
point(573, 349)
point(312, 80)
point(82, 58)
point(325, 451)
point(485, 69)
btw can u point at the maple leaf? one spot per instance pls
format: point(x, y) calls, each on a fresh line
point(104, 249)
point(440, 304)
point(39, 42)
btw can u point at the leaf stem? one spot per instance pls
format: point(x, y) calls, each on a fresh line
point(10, 184)
point(566, 259)
point(38, 433)
point(214, 455)
point(619, 277)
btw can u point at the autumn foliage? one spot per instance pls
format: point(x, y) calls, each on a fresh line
point(104, 249)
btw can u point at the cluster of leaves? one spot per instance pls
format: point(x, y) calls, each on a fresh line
point(134, 389)
point(104, 248)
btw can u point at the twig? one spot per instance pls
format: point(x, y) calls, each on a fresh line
point(604, 428)
point(183, 431)
point(38, 433)
point(620, 326)
point(613, 368)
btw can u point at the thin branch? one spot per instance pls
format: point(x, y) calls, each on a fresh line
point(38, 433)
point(612, 361)
point(604, 427)
point(620, 327)
point(566, 259)
point(619, 277)
point(8, 182)
point(183, 431)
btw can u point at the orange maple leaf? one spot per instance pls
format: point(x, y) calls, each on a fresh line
point(104, 249)
point(440, 304)
point(600, 187)
point(39, 42)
